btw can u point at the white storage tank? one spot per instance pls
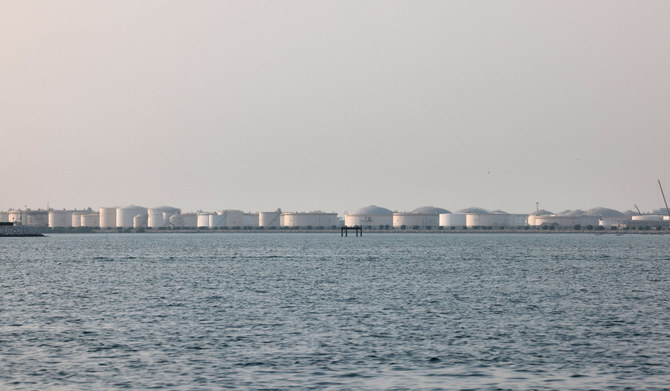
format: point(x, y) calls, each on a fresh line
point(76, 218)
point(140, 221)
point(251, 220)
point(403, 220)
point(203, 220)
point(456, 220)
point(532, 216)
point(216, 220)
point(190, 220)
point(60, 219)
point(155, 218)
point(107, 218)
point(309, 219)
point(370, 216)
point(269, 219)
point(16, 217)
point(567, 221)
point(425, 217)
point(232, 218)
point(36, 218)
point(159, 217)
point(495, 219)
point(176, 221)
point(4, 217)
point(518, 219)
point(648, 218)
point(125, 215)
point(609, 217)
point(90, 220)
point(167, 214)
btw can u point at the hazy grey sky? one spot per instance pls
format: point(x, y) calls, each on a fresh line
point(334, 105)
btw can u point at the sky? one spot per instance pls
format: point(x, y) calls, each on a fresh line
point(334, 105)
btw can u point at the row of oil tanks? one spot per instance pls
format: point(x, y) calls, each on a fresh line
point(371, 216)
point(51, 218)
point(432, 217)
point(135, 217)
point(168, 217)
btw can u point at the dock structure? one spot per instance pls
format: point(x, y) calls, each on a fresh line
point(344, 231)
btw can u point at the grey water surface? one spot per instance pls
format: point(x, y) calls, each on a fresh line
point(317, 311)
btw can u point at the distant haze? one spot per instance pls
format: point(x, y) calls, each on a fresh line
point(334, 105)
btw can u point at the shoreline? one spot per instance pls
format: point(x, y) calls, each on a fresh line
point(365, 231)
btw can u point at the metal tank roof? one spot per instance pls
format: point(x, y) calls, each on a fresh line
point(604, 212)
point(165, 208)
point(132, 207)
point(568, 212)
point(429, 210)
point(373, 210)
point(474, 210)
point(499, 212)
point(541, 212)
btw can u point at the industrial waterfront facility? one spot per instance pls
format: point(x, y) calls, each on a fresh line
point(133, 217)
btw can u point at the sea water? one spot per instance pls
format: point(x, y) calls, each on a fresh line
point(318, 311)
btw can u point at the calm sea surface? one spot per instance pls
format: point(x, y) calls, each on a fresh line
point(317, 311)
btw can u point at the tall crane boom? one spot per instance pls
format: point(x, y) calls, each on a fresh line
point(664, 200)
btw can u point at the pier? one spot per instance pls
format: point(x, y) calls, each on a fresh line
point(344, 231)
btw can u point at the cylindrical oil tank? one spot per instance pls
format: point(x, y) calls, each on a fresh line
point(203, 220)
point(60, 219)
point(176, 221)
point(532, 217)
point(190, 220)
point(425, 217)
point(4, 217)
point(456, 220)
point(76, 218)
point(90, 220)
point(37, 218)
point(250, 220)
point(107, 218)
point(408, 220)
point(125, 215)
point(518, 219)
point(160, 216)
point(16, 216)
point(269, 219)
point(487, 220)
point(233, 218)
point(167, 214)
point(639, 221)
point(649, 218)
point(140, 221)
point(216, 220)
point(567, 220)
point(309, 219)
point(155, 218)
point(370, 216)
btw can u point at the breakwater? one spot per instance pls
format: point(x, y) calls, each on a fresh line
point(18, 231)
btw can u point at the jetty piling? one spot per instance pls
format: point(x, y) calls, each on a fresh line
point(344, 231)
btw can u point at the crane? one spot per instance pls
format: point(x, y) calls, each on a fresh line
point(664, 200)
